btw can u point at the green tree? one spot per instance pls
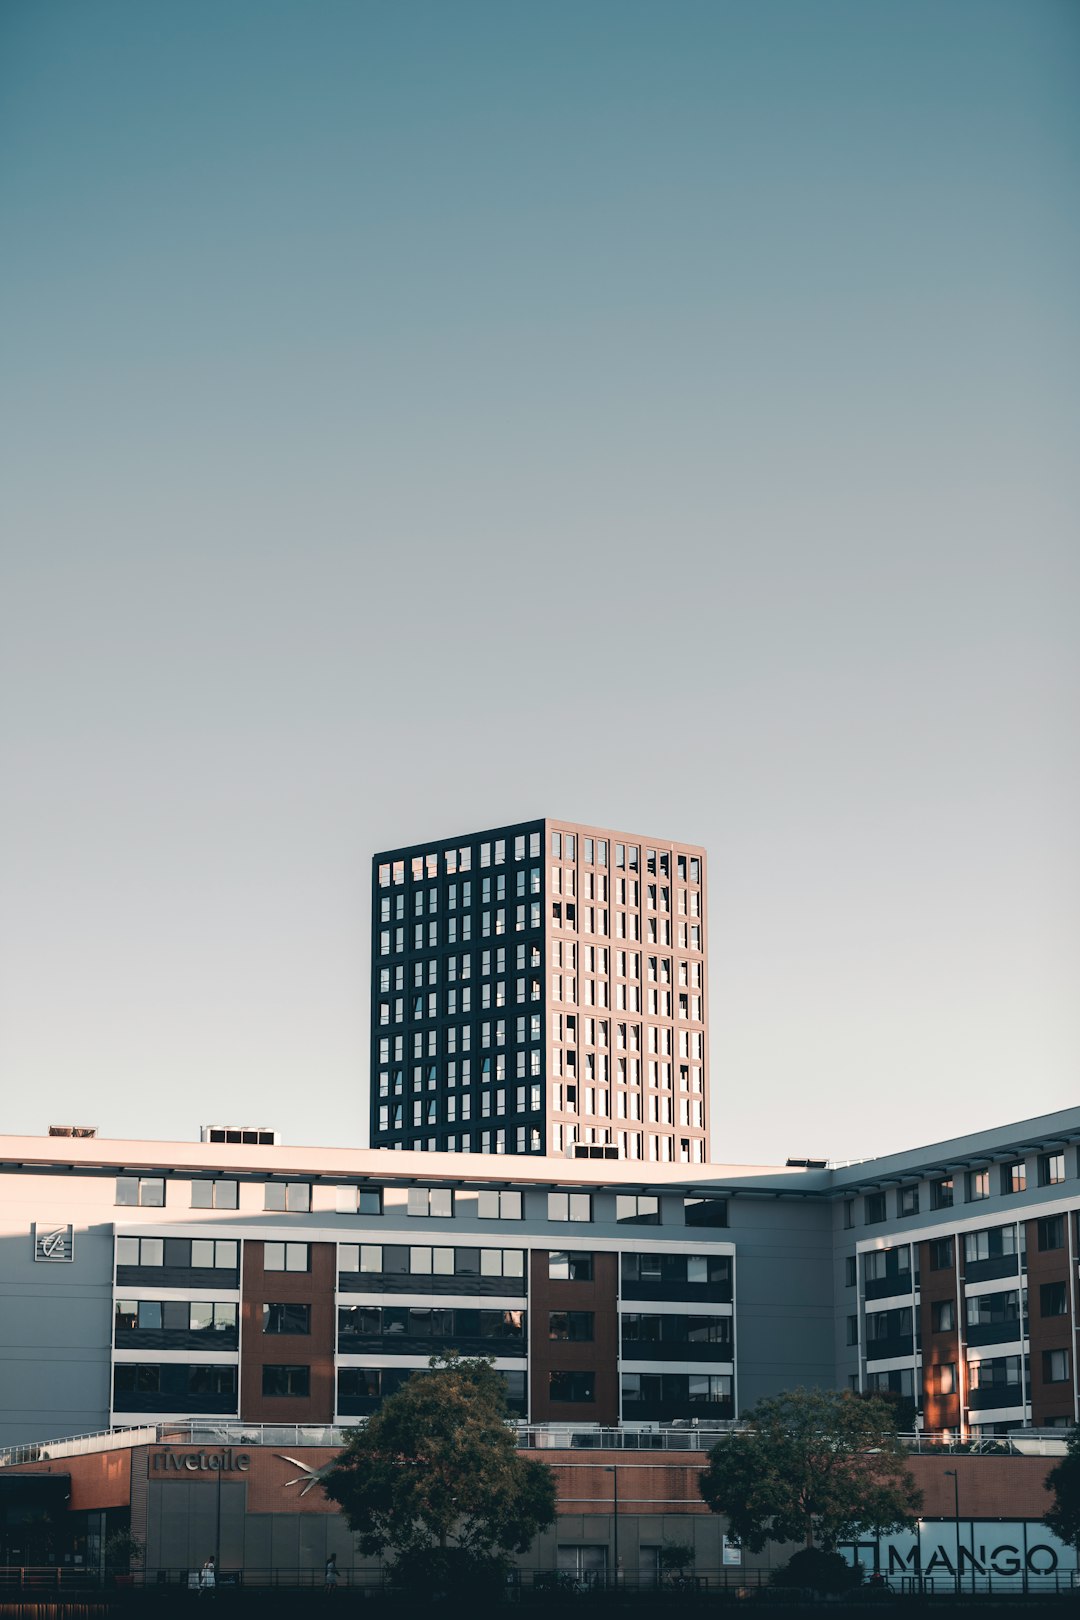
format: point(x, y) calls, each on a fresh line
point(435, 1478)
point(674, 1560)
point(122, 1549)
point(1063, 1518)
point(815, 1466)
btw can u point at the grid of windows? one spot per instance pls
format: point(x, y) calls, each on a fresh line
point(217, 1254)
point(175, 1316)
point(424, 1260)
point(458, 994)
point(467, 936)
point(396, 1324)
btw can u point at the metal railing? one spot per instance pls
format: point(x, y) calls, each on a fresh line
point(685, 1435)
point(43, 1582)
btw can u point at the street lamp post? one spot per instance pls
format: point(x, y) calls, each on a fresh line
point(956, 1513)
point(613, 1470)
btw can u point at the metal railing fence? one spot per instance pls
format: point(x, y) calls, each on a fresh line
point(42, 1582)
point(683, 1435)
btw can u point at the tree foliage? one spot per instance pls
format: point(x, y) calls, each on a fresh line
point(813, 1570)
point(436, 1478)
point(675, 1561)
point(815, 1466)
point(1063, 1517)
point(122, 1549)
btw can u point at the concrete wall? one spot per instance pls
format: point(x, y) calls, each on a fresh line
point(55, 1316)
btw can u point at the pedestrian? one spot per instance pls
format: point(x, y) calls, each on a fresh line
point(208, 1578)
point(331, 1577)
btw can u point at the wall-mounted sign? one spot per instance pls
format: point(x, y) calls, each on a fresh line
point(310, 1477)
point(991, 1552)
point(732, 1553)
point(53, 1242)
point(225, 1461)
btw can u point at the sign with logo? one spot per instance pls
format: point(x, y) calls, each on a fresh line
point(226, 1461)
point(307, 1477)
point(992, 1554)
point(731, 1554)
point(54, 1242)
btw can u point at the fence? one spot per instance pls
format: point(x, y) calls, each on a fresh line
point(60, 1583)
point(679, 1436)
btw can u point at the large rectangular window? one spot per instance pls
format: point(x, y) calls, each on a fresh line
point(1051, 1169)
point(569, 1206)
point(359, 1200)
point(498, 1206)
point(215, 1194)
point(998, 1373)
point(705, 1211)
point(887, 1270)
point(637, 1209)
point(218, 1254)
point(564, 1266)
point(674, 1328)
point(293, 1196)
point(429, 1260)
point(1053, 1299)
point(990, 1244)
point(985, 1310)
point(676, 1268)
point(907, 1200)
point(575, 1326)
point(431, 1202)
point(1014, 1177)
point(1056, 1369)
point(286, 1318)
point(174, 1382)
point(147, 1191)
point(280, 1381)
point(286, 1257)
point(572, 1386)
point(175, 1316)
point(685, 1394)
point(398, 1324)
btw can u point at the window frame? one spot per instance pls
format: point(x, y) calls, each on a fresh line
point(285, 1306)
point(289, 1253)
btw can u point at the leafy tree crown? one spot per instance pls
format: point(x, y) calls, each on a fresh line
point(438, 1466)
point(1063, 1481)
point(816, 1466)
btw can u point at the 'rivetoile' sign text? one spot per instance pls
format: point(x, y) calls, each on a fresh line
point(201, 1462)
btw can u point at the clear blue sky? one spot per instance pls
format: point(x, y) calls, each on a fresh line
point(418, 416)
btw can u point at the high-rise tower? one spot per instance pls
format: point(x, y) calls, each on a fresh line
point(541, 988)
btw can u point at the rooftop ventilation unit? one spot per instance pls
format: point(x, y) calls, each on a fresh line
point(806, 1164)
point(72, 1130)
point(239, 1135)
